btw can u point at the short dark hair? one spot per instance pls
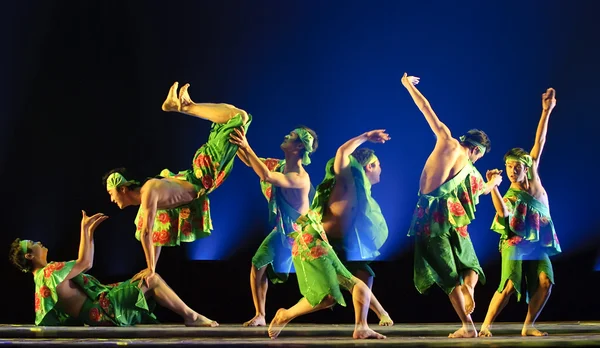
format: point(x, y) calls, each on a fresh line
point(516, 152)
point(477, 136)
point(17, 257)
point(362, 155)
point(121, 171)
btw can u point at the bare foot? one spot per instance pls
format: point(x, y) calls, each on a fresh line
point(365, 333)
point(485, 332)
point(468, 293)
point(532, 331)
point(258, 320)
point(278, 323)
point(172, 102)
point(385, 320)
point(201, 321)
point(184, 96)
point(464, 332)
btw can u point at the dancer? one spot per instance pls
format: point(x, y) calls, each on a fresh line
point(65, 295)
point(287, 187)
point(352, 219)
point(174, 208)
point(449, 190)
point(527, 232)
point(319, 271)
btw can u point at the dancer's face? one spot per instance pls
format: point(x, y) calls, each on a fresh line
point(475, 155)
point(290, 141)
point(516, 171)
point(373, 172)
point(117, 196)
point(37, 251)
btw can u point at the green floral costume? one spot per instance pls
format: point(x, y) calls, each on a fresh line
point(443, 248)
point(275, 251)
point(369, 230)
point(211, 165)
point(119, 304)
point(527, 241)
point(320, 272)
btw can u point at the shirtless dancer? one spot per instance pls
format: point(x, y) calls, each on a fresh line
point(449, 189)
point(175, 208)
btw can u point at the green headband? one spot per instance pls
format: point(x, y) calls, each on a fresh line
point(473, 142)
point(525, 159)
point(371, 159)
point(307, 140)
point(24, 246)
point(116, 180)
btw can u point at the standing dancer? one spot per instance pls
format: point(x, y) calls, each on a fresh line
point(286, 185)
point(449, 189)
point(352, 219)
point(527, 232)
point(174, 208)
point(320, 272)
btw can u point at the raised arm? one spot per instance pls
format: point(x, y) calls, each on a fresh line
point(494, 178)
point(548, 104)
point(85, 258)
point(442, 132)
point(243, 156)
point(290, 180)
point(342, 156)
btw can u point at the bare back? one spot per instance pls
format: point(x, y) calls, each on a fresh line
point(446, 160)
point(339, 212)
point(170, 193)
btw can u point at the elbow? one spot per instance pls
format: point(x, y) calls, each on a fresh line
point(267, 177)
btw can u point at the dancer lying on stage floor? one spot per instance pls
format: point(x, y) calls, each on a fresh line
point(65, 295)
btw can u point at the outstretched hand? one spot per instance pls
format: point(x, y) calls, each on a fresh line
point(377, 136)
point(144, 276)
point(548, 99)
point(90, 223)
point(238, 137)
point(408, 81)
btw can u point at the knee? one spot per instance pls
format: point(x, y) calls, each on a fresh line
point(545, 282)
point(328, 301)
point(509, 288)
point(155, 281)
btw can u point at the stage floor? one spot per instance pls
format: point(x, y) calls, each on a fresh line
point(561, 334)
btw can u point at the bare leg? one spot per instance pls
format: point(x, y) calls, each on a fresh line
point(361, 298)
point(216, 113)
point(458, 302)
point(375, 306)
point(499, 301)
point(536, 304)
point(166, 297)
point(259, 285)
point(284, 316)
point(470, 279)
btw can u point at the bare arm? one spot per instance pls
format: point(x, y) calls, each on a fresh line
point(149, 204)
point(441, 131)
point(494, 178)
point(85, 258)
point(499, 205)
point(243, 157)
point(342, 156)
point(548, 103)
point(290, 180)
